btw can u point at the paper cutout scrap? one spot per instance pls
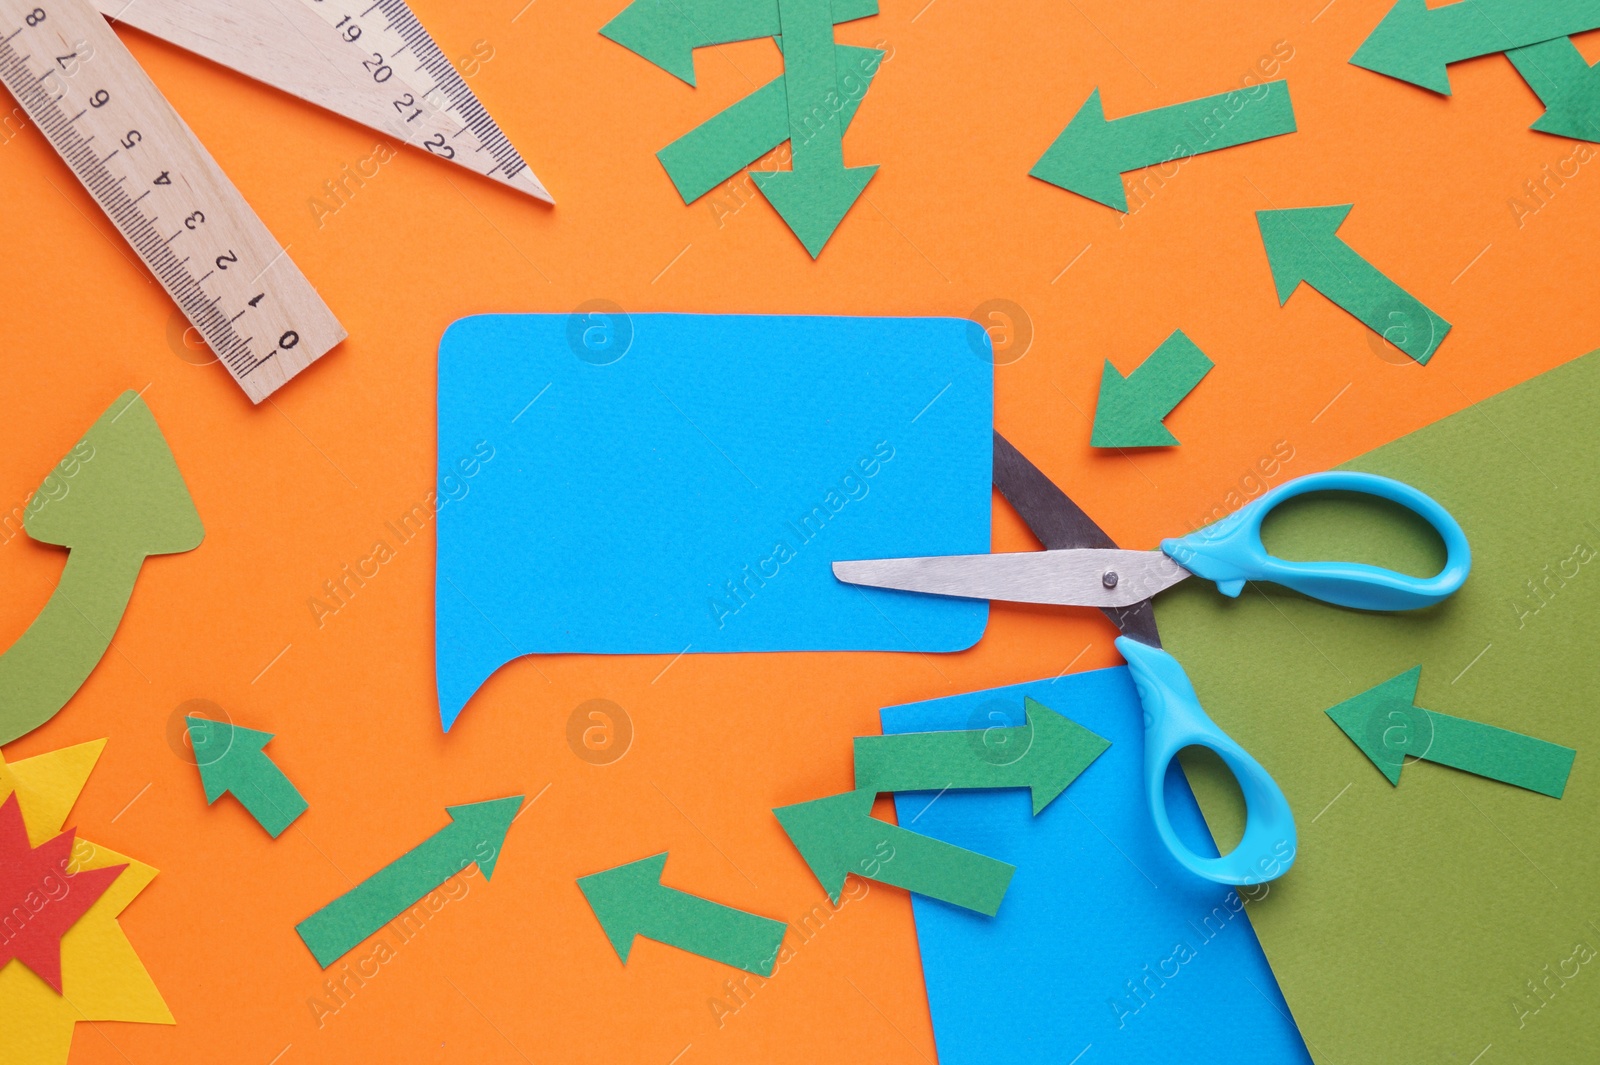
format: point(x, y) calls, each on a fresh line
point(757, 453)
point(1416, 43)
point(838, 835)
point(1303, 245)
point(475, 835)
point(125, 502)
point(1565, 83)
point(231, 759)
point(30, 878)
point(1131, 409)
point(630, 901)
point(1044, 754)
point(731, 140)
point(102, 978)
point(666, 32)
point(1092, 153)
point(1384, 722)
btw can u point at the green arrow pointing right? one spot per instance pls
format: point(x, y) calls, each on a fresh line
point(1565, 83)
point(1388, 727)
point(1303, 245)
point(1131, 409)
point(231, 759)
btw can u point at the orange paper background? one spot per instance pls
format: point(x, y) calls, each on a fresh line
point(970, 96)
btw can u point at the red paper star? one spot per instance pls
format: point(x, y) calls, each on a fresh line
point(39, 899)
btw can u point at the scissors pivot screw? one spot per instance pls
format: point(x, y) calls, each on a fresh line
point(1109, 579)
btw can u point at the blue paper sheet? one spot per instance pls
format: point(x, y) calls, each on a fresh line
point(664, 483)
point(1106, 950)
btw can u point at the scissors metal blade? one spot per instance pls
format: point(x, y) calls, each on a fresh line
point(1099, 577)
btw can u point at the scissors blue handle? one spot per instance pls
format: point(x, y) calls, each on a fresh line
point(1230, 552)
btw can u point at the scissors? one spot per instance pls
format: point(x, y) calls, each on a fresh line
point(1082, 566)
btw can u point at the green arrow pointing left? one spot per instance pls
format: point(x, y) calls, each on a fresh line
point(1092, 154)
point(666, 32)
point(815, 195)
point(1303, 245)
point(475, 836)
point(1131, 409)
point(230, 758)
point(1565, 83)
point(1044, 754)
point(1388, 727)
point(838, 836)
point(630, 901)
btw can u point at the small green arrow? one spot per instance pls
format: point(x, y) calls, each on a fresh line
point(1131, 409)
point(123, 501)
point(1565, 83)
point(474, 836)
point(838, 836)
point(666, 32)
point(1303, 245)
point(1388, 727)
point(1091, 154)
point(1044, 754)
point(230, 758)
point(630, 901)
point(731, 140)
point(1417, 43)
point(815, 195)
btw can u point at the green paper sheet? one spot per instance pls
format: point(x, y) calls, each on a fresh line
point(1565, 83)
point(1130, 409)
point(1430, 921)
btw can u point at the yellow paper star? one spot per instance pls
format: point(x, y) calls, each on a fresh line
point(102, 978)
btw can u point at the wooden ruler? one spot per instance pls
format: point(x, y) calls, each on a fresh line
point(369, 60)
point(163, 192)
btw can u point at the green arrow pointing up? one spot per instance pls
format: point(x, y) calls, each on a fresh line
point(123, 501)
point(1417, 43)
point(230, 758)
point(666, 32)
point(1131, 409)
point(1303, 245)
point(630, 900)
point(1388, 727)
point(838, 835)
point(1566, 84)
point(475, 835)
point(1045, 754)
point(814, 196)
point(1092, 154)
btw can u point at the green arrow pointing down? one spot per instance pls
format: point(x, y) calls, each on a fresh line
point(1388, 727)
point(475, 835)
point(1045, 754)
point(230, 759)
point(838, 835)
point(1131, 409)
point(630, 901)
point(1565, 83)
point(814, 196)
point(1091, 154)
point(666, 32)
point(1302, 245)
point(123, 501)
point(1417, 43)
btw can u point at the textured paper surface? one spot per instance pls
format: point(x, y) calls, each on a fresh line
point(1472, 901)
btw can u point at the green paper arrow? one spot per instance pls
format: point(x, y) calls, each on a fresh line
point(1417, 43)
point(474, 836)
point(1388, 727)
point(838, 835)
point(815, 195)
point(1131, 409)
point(231, 759)
point(725, 144)
point(666, 32)
point(122, 503)
point(630, 901)
point(1044, 754)
point(1302, 245)
point(1565, 83)
point(1091, 154)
